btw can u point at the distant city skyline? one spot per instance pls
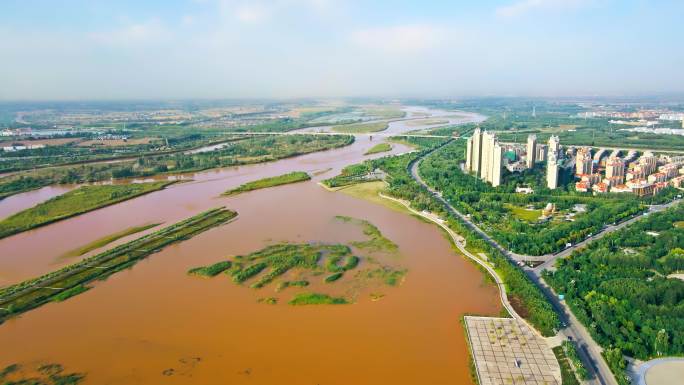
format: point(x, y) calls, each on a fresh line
point(184, 49)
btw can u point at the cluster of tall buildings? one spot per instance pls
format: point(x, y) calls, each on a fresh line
point(596, 170)
point(645, 175)
point(484, 156)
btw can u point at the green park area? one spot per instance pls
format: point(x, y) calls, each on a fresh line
point(514, 219)
point(293, 177)
point(79, 201)
point(621, 287)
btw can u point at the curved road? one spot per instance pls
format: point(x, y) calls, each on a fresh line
point(589, 350)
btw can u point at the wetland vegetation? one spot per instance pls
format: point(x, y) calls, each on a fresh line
point(324, 263)
point(378, 148)
point(39, 374)
point(361, 128)
point(104, 241)
point(69, 281)
point(72, 203)
point(317, 299)
point(293, 177)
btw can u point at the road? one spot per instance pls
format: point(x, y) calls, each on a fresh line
point(589, 350)
point(550, 260)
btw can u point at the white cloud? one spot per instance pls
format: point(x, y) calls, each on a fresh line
point(252, 13)
point(257, 11)
point(143, 33)
point(522, 7)
point(188, 20)
point(400, 39)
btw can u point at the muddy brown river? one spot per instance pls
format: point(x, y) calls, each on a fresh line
point(154, 324)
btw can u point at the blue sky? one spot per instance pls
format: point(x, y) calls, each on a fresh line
point(338, 48)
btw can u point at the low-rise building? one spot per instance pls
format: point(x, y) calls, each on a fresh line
point(621, 188)
point(600, 187)
point(677, 181)
point(640, 187)
point(657, 177)
point(592, 179)
point(582, 186)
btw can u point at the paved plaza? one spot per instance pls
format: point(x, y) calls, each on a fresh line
point(507, 352)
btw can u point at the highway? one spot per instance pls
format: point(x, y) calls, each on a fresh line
point(589, 350)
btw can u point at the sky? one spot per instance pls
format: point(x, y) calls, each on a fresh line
point(185, 49)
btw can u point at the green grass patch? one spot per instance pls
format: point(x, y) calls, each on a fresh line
point(376, 241)
point(293, 177)
point(268, 300)
point(79, 201)
point(104, 241)
point(316, 299)
point(567, 375)
point(385, 274)
point(211, 270)
point(285, 284)
point(334, 277)
point(66, 294)
point(361, 128)
point(529, 215)
point(382, 147)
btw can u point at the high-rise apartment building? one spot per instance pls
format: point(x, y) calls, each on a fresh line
point(531, 150)
point(583, 162)
point(554, 145)
point(552, 170)
point(541, 152)
point(615, 167)
point(474, 152)
point(484, 156)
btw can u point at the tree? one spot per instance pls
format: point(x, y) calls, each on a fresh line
point(662, 342)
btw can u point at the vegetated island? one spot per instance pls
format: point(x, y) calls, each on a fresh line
point(71, 280)
point(73, 203)
point(327, 264)
point(361, 128)
point(104, 241)
point(382, 147)
point(42, 374)
point(293, 177)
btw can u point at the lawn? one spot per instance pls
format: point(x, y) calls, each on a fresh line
point(530, 215)
point(79, 201)
point(361, 128)
point(382, 147)
point(293, 177)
